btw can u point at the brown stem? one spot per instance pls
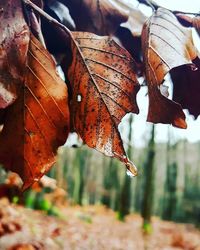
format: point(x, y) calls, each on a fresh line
point(155, 6)
point(47, 16)
point(186, 13)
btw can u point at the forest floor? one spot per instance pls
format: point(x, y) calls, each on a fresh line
point(89, 228)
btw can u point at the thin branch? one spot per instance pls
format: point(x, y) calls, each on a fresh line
point(186, 13)
point(155, 6)
point(149, 3)
point(48, 17)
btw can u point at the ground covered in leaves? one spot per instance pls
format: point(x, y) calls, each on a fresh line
point(88, 228)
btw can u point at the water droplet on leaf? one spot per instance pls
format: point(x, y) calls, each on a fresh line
point(129, 173)
point(131, 168)
point(79, 98)
point(194, 67)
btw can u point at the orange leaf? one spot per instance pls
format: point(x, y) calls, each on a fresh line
point(14, 42)
point(104, 88)
point(166, 45)
point(38, 122)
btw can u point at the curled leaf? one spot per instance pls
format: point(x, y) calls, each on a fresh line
point(190, 21)
point(38, 122)
point(196, 23)
point(135, 22)
point(186, 87)
point(166, 45)
point(104, 88)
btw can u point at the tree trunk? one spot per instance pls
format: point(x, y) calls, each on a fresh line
point(147, 202)
point(170, 198)
point(125, 196)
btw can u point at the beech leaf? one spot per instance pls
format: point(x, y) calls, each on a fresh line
point(101, 17)
point(104, 88)
point(190, 21)
point(14, 41)
point(135, 22)
point(186, 87)
point(166, 45)
point(38, 122)
point(196, 23)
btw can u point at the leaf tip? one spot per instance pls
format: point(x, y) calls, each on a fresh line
point(180, 123)
point(131, 168)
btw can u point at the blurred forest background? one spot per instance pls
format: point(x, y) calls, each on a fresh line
point(168, 184)
point(89, 201)
point(93, 193)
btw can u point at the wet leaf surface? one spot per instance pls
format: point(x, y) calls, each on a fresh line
point(186, 87)
point(14, 42)
point(38, 122)
point(166, 45)
point(104, 88)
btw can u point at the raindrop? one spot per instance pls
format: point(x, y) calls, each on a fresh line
point(1, 127)
point(79, 98)
point(194, 67)
point(129, 173)
point(43, 170)
point(131, 169)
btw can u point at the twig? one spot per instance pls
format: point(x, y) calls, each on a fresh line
point(47, 16)
point(186, 13)
point(149, 3)
point(155, 6)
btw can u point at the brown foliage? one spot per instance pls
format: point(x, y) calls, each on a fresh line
point(100, 17)
point(166, 45)
point(14, 41)
point(196, 24)
point(104, 88)
point(186, 84)
point(37, 121)
point(102, 77)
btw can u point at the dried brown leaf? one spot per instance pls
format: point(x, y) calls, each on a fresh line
point(14, 41)
point(186, 87)
point(100, 17)
point(104, 88)
point(38, 122)
point(135, 22)
point(166, 45)
point(196, 23)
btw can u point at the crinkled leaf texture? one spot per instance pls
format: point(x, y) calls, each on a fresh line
point(14, 40)
point(38, 122)
point(104, 88)
point(166, 45)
